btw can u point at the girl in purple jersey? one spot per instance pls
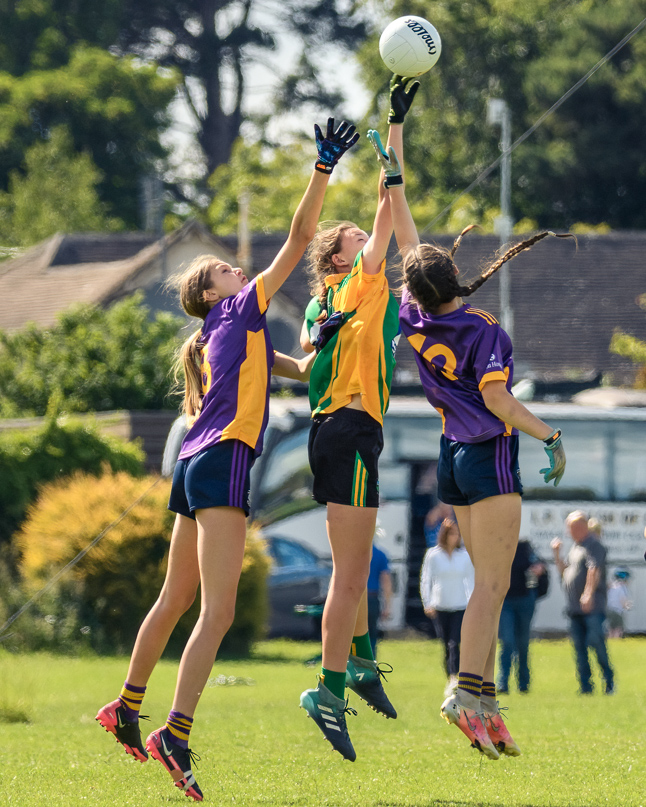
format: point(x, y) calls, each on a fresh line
point(226, 366)
point(465, 364)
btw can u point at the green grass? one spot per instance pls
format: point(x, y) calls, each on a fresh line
point(258, 748)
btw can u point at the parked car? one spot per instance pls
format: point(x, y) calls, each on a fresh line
point(298, 577)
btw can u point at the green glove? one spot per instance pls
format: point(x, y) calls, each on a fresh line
point(556, 456)
point(402, 94)
point(388, 161)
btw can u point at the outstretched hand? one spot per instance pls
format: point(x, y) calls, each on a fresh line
point(402, 95)
point(334, 145)
point(388, 160)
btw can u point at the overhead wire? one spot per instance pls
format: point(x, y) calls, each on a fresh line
point(487, 171)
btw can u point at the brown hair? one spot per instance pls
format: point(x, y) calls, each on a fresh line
point(191, 283)
point(431, 274)
point(443, 533)
point(326, 242)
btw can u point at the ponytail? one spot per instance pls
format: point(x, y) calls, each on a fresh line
point(431, 275)
point(188, 365)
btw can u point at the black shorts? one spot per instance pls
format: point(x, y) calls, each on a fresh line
point(469, 472)
point(215, 477)
point(344, 448)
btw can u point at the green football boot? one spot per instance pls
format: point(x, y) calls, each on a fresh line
point(328, 712)
point(364, 678)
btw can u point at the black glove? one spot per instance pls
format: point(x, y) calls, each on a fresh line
point(402, 94)
point(334, 145)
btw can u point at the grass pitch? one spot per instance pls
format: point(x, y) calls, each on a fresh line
point(258, 748)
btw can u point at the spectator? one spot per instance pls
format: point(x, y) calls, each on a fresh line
point(516, 617)
point(618, 603)
point(446, 584)
point(433, 521)
point(584, 581)
point(380, 592)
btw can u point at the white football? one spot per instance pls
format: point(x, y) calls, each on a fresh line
point(410, 46)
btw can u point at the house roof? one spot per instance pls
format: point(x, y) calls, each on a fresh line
point(83, 268)
point(567, 300)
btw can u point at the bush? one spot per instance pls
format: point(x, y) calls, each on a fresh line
point(112, 588)
point(58, 448)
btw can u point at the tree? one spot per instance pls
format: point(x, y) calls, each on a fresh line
point(213, 42)
point(93, 359)
point(56, 193)
point(114, 109)
point(624, 344)
point(585, 162)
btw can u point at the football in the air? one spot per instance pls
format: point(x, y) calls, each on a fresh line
point(410, 46)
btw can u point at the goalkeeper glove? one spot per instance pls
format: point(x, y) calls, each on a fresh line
point(402, 95)
point(556, 456)
point(334, 145)
point(388, 161)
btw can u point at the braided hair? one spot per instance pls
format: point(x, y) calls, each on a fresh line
point(432, 276)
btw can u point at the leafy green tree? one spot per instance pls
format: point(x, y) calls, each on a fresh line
point(624, 344)
point(583, 165)
point(213, 42)
point(93, 359)
point(114, 108)
point(56, 193)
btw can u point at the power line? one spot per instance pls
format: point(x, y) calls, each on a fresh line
point(75, 560)
point(484, 174)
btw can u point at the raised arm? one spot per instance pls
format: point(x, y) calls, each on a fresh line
point(391, 158)
point(402, 93)
point(330, 150)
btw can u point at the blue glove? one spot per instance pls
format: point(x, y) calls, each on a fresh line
point(556, 456)
point(334, 145)
point(327, 329)
point(388, 161)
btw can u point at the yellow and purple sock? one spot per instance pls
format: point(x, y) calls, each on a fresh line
point(334, 681)
point(488, 690)
point(131, 698)
point(470, 683)
point(361, 647)
point(179, 727)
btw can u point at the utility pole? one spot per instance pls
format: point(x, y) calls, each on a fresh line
point(498, 114)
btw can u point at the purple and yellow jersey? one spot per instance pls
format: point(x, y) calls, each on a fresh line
point(456, 355)
point(360, 357)
point(236, 363)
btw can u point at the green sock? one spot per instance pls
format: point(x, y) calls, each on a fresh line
point(334, 681)
point(361, 647)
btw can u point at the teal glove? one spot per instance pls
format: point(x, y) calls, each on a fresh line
point(388, 161)
point(556, 456)
point(402, 95)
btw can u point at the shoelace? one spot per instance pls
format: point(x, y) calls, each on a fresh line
point(472, 726)
point(499, 714)
point(348, 710)
point(383, 672)
point(195, 758)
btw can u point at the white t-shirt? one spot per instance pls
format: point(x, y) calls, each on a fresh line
point(618, 597)
point(446, 581)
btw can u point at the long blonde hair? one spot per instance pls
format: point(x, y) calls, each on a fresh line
point(191, 283)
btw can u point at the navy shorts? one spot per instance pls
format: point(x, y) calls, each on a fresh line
point(344, 448)
point(469, 472)
point(215, 477)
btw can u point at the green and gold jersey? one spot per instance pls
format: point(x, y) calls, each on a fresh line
point(360, 357)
